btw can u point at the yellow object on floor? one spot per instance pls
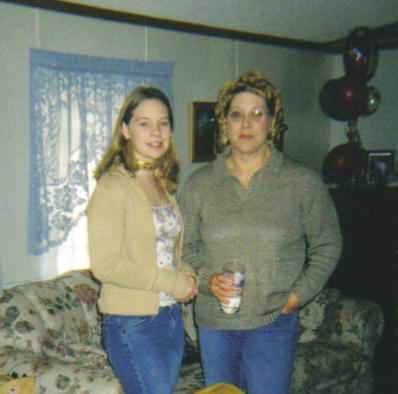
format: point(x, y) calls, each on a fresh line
point(16, 386)
point(220, 388)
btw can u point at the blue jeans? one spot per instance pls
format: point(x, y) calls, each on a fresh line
point(146, 351)
point(259, 361)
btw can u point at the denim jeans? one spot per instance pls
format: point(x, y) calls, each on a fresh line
point(146, 351)
point(259, 361)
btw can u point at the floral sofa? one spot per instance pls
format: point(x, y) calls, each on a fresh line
point(51, 330)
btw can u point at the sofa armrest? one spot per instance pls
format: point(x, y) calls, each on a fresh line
point(353, 322)
point(312, 315)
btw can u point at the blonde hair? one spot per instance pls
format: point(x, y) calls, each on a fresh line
point(121, 152)
point(251, 81)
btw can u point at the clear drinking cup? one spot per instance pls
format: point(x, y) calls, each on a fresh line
point(237, 273)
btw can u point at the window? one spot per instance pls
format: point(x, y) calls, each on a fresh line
point(74, 102)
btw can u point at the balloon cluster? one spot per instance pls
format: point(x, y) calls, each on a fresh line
point(349, 97)
point(346, 99)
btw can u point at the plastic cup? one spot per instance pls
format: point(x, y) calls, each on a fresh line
point(237, 273)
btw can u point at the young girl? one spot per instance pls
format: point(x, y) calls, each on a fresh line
point(135, 236)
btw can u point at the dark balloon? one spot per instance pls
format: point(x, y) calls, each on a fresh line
point(343, 162)
point(372, 101)
point(344, 98)
point(327, 97)
point(361, 53)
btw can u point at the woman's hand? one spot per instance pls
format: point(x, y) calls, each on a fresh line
point(193, 291)
point(221, 286)
point(292, 304)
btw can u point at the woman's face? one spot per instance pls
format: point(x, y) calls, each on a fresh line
point(247, 123)
point(149, 130)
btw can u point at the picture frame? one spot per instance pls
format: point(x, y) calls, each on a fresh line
point(204, 131)
point(379, 165)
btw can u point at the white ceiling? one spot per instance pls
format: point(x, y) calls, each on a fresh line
point(310, 20)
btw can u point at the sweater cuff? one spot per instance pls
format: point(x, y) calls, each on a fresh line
point(204, 276)
point(302, 296)
point(174, 283)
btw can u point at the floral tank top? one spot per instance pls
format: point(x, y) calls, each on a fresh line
point(167, 229)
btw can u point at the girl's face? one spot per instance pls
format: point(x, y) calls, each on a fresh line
point(248, 122)
point(149, 130)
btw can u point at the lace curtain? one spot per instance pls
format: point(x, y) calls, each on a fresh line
point(74, 103)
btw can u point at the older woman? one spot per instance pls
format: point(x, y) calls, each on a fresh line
point(255, 205)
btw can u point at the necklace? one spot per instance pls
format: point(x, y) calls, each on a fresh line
point(140, 164)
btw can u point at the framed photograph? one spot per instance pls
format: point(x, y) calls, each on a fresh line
point(380, 164)
point(203, 131)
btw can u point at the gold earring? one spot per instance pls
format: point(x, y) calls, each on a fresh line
point(223, 140)
point(271, 135)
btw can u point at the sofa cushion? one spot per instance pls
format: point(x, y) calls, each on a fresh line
point(63, 305)
point(67, 306)
point(86, 290)
point(322, 367)
point(312, 315)
point(81, 353)
point(60, 313)
point(53, 376)
point(20, 323)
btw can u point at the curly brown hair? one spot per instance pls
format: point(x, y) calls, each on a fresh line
point(121, 152)
point(251, 81)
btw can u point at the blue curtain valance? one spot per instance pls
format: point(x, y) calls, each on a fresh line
point(74, 101)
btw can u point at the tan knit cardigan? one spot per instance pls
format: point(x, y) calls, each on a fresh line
point(122, 248)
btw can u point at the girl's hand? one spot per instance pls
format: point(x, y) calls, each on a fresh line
point(193, 291)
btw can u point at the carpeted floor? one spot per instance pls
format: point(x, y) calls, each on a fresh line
point(191, 379)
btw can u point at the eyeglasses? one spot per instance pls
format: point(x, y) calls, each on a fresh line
point(253, 116)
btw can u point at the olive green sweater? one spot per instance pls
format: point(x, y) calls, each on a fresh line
point(284, 228)
point(122, 248)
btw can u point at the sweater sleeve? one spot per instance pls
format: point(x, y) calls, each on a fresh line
point(109, 260)
point(323, 237)
point(192, 251)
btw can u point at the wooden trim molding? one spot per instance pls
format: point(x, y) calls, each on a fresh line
point(169, 24)
point(387, 35)
point(387, 38)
